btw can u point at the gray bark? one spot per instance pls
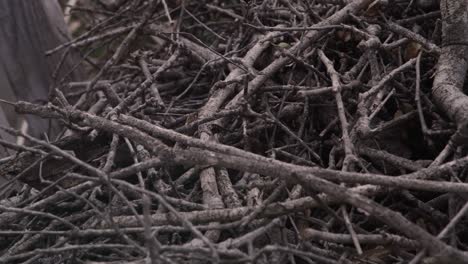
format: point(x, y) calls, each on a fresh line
point(453, 62)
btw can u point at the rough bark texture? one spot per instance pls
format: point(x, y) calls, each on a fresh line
point(245, 131)
point(453, 62)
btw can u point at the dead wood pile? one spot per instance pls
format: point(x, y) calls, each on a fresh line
point(249, 132)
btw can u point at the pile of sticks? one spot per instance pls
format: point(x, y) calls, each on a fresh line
point(249, 132)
